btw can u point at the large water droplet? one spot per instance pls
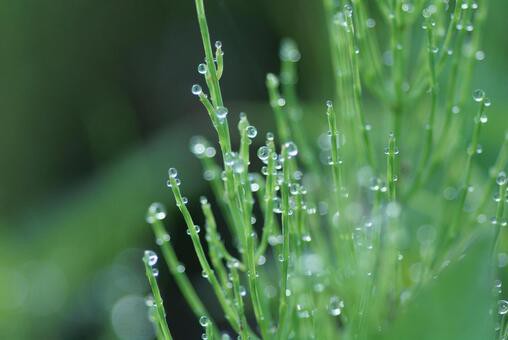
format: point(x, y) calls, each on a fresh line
point(263, 153)
point(203, 321)
point(221, 112)
point(251, 131)
point(478, 95)
point(335, 306)
point(501, 178)
point(291, 149)
point(196, 90)
point(156, 212)
point(202, 68)
point(502, 307)
point(150, 257)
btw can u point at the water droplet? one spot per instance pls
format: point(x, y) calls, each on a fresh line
point(150, 257)
point(172, 173)
point(161, 240)
point(289, 51)
point(348, 10)
point(196, 90)
point(180, 268)
point(478, 95)
point(291, 149)
point(203, 321)
point(335, 306)
point(479, 149)
point(484, 118)
point(261, 260)
point(218, 44)
point(479, 55)
point(204, 274)
point(281, 258)
point(502, 307)
point(306, 238)
point(455, 109)
point(371, 23)
point(242, 290)
point(251, 131)
point(156, 212)
point(221, 112)
point(501, 178)
point(487, 102)
point(263, 153)
point(202, 69)
point(277, 205)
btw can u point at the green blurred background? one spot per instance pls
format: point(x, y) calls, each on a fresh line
point(95, 105)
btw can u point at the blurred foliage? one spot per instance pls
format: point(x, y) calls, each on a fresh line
point(95, 105)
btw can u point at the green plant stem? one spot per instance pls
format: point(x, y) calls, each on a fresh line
point(357, 90)
point(429, 127)
point(391, 173)
point(268, 226)
point(179, 275)
point(499, 165)
point(499, 214)
point(283, 304)
point(161, 313)
point(467, 176)
point(219, 292)
point(336, 161)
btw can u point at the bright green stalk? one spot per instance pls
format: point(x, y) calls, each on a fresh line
point(215, 245)
point(268, 226)
point(283, 303)
point(499, 165)
point(207, 45)
point(249, 235)
point(161, 313)
point(429, 128)
point(219, 292)
point(471, 151)
point(391, 172)
point(178, 272)
point(397, 67)
point(235, 279)
point(357, 87)
point(336, 161)
point(501, 202)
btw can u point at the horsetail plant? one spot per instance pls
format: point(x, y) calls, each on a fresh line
point(340, 248)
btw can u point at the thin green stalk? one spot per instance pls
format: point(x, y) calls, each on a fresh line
point(357, 87)
point(501, 202)
point(283, 303)
point(235, 280)
point(176, 268)
point(230, 313)
point(268, 226)
point(391, 172)
point(499, 165)
point(471, 151)
point(161, 313)
point(397, 67)
point(335, 159)
point(429, 127)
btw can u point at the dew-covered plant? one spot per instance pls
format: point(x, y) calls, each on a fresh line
point(335, 239)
